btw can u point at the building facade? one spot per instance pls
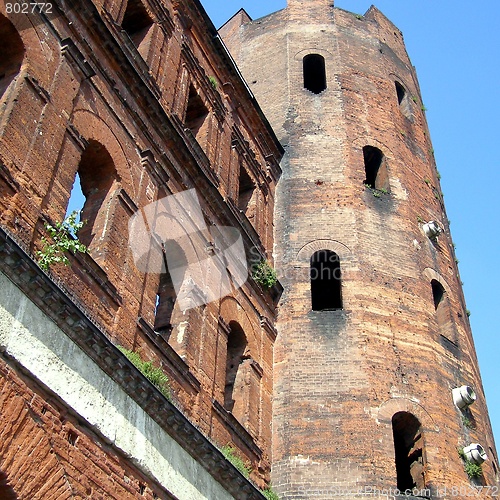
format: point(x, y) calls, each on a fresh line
point(355, 374)
point(373, 331)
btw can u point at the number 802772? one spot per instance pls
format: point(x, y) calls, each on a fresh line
point(28, 7)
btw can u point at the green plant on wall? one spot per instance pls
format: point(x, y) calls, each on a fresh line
point(264, 274)
point(213, 81)
point(153, 373)
point(270, 494)
point(377, 192)
point(230, 455)
point(62, 239)
point(473, 470)
point(467, 422)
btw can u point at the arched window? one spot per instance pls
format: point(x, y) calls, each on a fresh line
point(403, 101)
point(409, 451)
point(326, 281)
point(237, 358)
point(377, 176)
point(138, 25)
point(96, 174)
point(314, 73)
point(12, 54)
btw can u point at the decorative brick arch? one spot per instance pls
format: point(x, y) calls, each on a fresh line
point(35, 60)
point(387, 438)
point(401, 80)
point(431, 274)
point(232, 310)
point(92, 126)
point(313, 50)
point(366, 140)
point(401, 404)
point(305, 253)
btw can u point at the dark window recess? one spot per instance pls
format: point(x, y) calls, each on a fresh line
point(326, 281)
point(246, 194)
point(138, 25)
point(72, 438)
point(401, 92)
point(408, 447)
point(174, 259)
point(236, 356)
point(7, 492)
point(95, 176)
point(377, 176)
point(438, 293)
point(403, 101)
point(197, 117)
point(443, 310)
point(314, 73)
point(12, 54)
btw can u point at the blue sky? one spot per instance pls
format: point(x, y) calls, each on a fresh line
point(454, 46)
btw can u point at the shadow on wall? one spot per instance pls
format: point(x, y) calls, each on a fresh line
point(6, 491)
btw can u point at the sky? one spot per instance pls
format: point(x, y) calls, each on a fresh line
point(455, 47)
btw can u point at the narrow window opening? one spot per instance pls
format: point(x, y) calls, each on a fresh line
point(12, 54)
point(326, 281)
point(403, 101)
point(235, 383)
point(165, 300)
point(142, 489)
point(437, 293)
point(401, 92)
point(197, 117)
point(314, 73)
point(175, 264)
point(76, 198)
point(442, 307)
point(95, 176)
point(377, 176)
point(247, 201)
point(138, 25)
point(408, 447)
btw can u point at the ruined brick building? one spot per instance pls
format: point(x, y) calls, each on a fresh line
point(341, 375)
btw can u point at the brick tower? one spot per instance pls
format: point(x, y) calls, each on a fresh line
point(373, 329)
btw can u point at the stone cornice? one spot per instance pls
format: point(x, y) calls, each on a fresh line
point(53, 300)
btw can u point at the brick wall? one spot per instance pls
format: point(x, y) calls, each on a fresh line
point(341, 375)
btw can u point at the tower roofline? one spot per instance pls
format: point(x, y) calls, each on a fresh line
point(242, 13)
point(376, 14)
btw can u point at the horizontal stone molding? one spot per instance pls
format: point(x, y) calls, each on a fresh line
point(52, 340)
